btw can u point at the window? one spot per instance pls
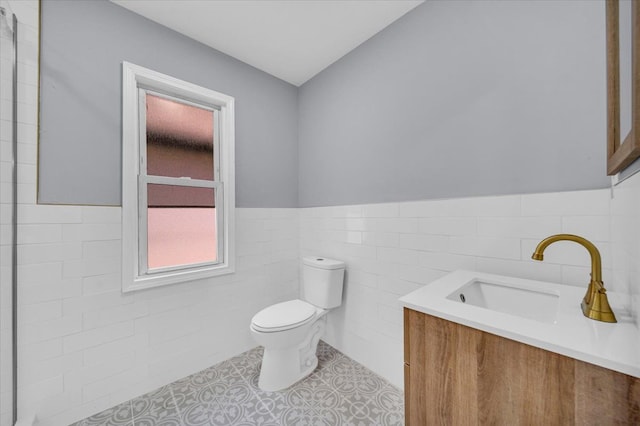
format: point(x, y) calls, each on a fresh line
point(177, 180)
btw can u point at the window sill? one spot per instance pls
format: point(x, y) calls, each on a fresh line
point(176, 277)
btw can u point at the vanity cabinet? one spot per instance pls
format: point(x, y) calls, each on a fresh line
point(457, 375)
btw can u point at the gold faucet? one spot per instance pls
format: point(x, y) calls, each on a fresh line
point(595, 304)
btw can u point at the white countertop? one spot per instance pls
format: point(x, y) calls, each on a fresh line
point(615, 346)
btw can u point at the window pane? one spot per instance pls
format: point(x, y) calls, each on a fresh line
point(179, 139)
point(181, 226)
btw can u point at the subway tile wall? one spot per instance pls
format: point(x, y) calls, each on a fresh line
point(392, 249)
point(85, 346)
point(625, 229)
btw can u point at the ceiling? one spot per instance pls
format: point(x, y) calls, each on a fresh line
point(290, 39)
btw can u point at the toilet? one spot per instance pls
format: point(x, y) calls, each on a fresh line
point(290, 331)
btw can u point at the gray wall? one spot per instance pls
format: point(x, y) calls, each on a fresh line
point(83, 46)
point(460, 99)
point(454, 99)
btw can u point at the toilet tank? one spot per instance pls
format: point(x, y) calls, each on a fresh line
point(322, 281)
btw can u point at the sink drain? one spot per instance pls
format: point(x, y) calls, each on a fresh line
point(463, 298)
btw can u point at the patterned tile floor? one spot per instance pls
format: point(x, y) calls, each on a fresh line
point(339, 392)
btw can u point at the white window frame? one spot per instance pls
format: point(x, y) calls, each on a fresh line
point(136, 82)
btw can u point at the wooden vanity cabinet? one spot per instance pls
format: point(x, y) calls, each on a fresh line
point(457, 375)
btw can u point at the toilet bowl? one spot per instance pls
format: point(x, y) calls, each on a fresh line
point(289, 344)
point(290, 331)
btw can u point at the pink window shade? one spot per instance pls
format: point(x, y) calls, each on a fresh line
point(181, 236)
point(182, 229)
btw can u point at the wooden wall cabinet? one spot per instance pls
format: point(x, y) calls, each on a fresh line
point(623, 84)
point(456, 375)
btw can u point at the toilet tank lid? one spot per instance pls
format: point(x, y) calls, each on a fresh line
point(322, 262)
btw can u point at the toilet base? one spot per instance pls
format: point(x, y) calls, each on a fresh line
point(282, 367)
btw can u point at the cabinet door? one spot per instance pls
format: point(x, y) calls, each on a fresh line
point(441, 389)
point(461, 376)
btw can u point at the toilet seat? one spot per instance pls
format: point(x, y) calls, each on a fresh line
point(283, 316)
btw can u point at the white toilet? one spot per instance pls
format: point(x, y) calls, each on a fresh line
point(289, 331)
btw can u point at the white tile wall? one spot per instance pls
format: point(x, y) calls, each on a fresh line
point(391, 249)
point(84, 346)
point(625, 231)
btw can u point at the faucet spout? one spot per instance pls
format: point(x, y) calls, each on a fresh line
point(595, 304)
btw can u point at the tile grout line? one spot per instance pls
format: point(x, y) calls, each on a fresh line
point(353, 363)
point(214, 399)
point(248, 383)
point(175, 402)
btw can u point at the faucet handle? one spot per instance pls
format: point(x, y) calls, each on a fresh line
point(596, 306)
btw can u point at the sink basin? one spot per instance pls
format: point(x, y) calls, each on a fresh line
point(542, 314)
point(509, 299)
